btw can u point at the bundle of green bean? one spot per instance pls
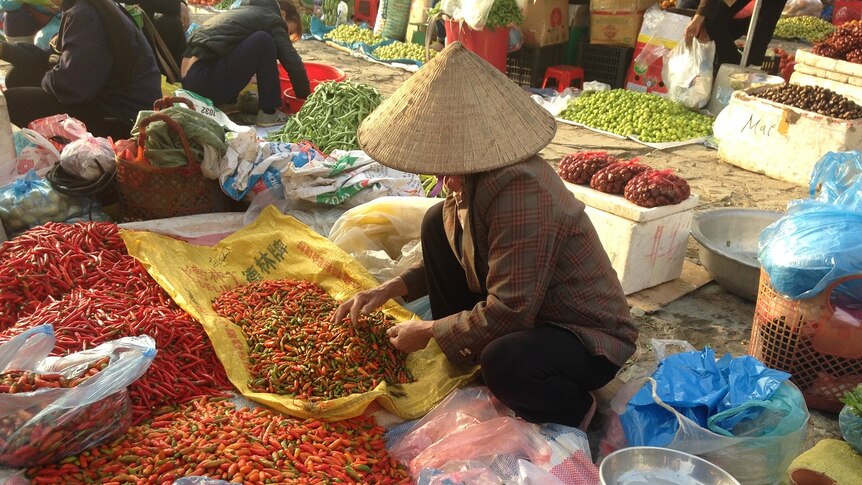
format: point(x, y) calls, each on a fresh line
point(331, 116)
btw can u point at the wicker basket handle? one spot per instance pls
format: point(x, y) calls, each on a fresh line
point(142, 135)
point(169, 101)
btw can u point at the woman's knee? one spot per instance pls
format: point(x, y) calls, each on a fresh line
point(432, 224)
point(503, 369)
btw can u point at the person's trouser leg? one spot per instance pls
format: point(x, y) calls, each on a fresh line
point(27, 104)
point(723, 29)
point(223, 79)
point(770, 13)
point(448, 292)
point(170, 29)
point(544, 374)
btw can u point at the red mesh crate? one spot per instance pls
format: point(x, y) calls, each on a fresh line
point(818, 341)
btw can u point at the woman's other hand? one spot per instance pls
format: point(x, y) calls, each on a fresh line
point(411, 335)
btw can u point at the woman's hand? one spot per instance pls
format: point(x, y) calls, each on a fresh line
point(695, 29)
point(367, 301)
point(411, 335)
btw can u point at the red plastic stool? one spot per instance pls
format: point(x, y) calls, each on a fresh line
point(564, 75)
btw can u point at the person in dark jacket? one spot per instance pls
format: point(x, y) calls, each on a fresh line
point(231, 47)
point(102, 71)
point(166, 16)
point(716, 20)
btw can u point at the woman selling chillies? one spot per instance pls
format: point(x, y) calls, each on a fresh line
point(517, 278)
point(231, 47)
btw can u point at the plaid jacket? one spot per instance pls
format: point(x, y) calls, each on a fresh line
point(526, 242)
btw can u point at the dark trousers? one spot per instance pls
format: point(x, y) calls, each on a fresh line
point(27, 101)
point(544, 374)
point(221, 80)
point(724, 30)
point(170, 29)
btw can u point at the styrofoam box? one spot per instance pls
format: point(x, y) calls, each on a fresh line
point(777, 140)
point(854, 93)
point(646, 246)
point(827, 64)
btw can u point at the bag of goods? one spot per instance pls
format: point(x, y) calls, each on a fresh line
point(654, 188)
point(613, 178)
point(30, 201)
point(55, 407)
point(579, 168)
point(88, 158)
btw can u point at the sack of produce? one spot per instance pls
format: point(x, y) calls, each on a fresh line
point(55, 407)
point(687, 70)
point(88, 157)
point(30, 201)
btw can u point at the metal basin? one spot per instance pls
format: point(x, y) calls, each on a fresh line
point(746, 80)
point(728, 246)
point(647, 465)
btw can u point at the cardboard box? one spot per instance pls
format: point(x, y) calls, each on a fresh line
point(615, 28)
point(617, 22)
point(661, 32)
point(646, 246)
point(546, 22)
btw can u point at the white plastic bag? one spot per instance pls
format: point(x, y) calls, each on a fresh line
point(687, 72)
point(473, 12)
point(383, 234)
point(88, 157)
point(35, 153)
point(798, 8)
point(51, 423)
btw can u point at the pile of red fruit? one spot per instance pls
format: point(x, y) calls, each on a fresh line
point(786, 65)
point(639, 183)
point(844, 44)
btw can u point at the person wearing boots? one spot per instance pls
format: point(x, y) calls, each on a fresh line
point(517, 278)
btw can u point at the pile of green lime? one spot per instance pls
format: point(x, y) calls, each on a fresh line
point(351, 34)
point(402, 50)
point(651, 118)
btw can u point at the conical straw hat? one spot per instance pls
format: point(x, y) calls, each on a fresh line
point(456, 115)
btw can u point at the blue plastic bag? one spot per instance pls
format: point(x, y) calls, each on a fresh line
point(837, 178)
point(812, 246)
point(754, 430)
point(697, 386)
point(44, 36)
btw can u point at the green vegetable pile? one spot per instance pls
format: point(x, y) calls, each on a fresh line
point(428, 184)
point(402, 50)
point(503, 13)
point(223, 4)
point(350, 34)
point(853, 400)
point(652, 118)
point(809, 29)
point(331, 116)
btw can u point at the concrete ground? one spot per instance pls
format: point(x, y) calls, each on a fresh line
point(709, 315)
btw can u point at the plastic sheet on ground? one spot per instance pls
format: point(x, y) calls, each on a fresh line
point(471, 437)
point(277, 246)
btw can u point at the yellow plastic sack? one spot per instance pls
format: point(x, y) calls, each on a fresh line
point(276, 246)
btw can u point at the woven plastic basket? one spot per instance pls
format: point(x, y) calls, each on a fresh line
point(150, 192)
point(818, 342)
